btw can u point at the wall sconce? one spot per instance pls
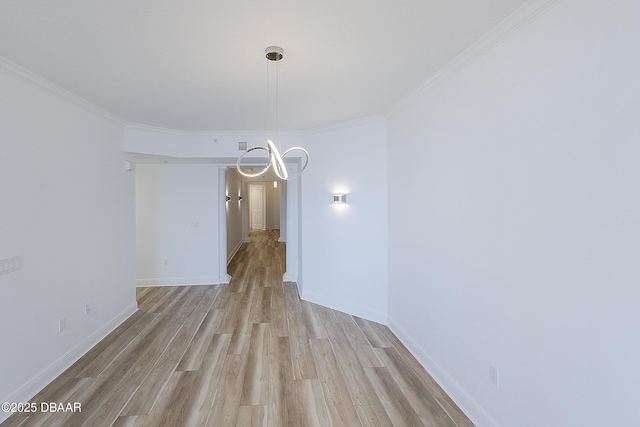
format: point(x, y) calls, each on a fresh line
point(228, 198)
point(339, 198)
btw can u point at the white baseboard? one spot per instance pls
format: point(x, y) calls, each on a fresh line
point(354, 310)
point(177, 281)
point(464, 400)
point(234, 252)
point(289, 277)
point(41, 380)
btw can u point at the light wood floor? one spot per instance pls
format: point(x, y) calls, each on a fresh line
point(246, 354)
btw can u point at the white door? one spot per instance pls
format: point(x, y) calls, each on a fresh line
point(257, 202)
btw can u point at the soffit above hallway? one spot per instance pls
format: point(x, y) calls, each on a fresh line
point(196, 65)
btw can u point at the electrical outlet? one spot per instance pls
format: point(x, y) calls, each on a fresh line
point(493, 375)
point(87, 309)
point(62, 324)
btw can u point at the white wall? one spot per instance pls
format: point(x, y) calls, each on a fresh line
point(344, 248)
point(177, 224)
point(212, 145)
point(67, 208)
point(234, 211)
point(513, 223)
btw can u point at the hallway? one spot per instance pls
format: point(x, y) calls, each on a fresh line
point(250, 353)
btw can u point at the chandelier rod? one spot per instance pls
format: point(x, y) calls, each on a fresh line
point(274, 158)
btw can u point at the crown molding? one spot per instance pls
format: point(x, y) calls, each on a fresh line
point(239, 134)
point(23, 75)
point(346, 124)
point(501, 32)
point(234, 134)
point(520, 18)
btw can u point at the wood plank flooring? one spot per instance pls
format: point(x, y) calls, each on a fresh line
point(249, 353)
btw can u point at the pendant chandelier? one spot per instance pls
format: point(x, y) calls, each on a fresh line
point(275, 160)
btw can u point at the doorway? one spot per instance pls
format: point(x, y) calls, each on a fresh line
point(289, 219)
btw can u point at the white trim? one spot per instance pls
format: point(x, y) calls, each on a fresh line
point(41, 380)
point(346, 124)
point(510, 25)
point(287, 277)
point(282, 189)
point(293, 247)
point(355, 310)
point(177, 281)
point(224, 277)
point(23, 75)
point(234, 252)
point(464, 400)
point(207, 133)
point(501, 32)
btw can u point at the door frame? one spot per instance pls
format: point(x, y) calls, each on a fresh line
point(292, 224)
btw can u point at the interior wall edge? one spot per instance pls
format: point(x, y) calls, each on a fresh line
point(493, 38)
point(233, 252)
point(288, 277)
point(354, 310)
point(457, 393)
point(25, 76)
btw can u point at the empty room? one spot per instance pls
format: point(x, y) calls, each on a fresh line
point(322, 213)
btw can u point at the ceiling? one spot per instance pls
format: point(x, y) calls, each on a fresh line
point(197, 65)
